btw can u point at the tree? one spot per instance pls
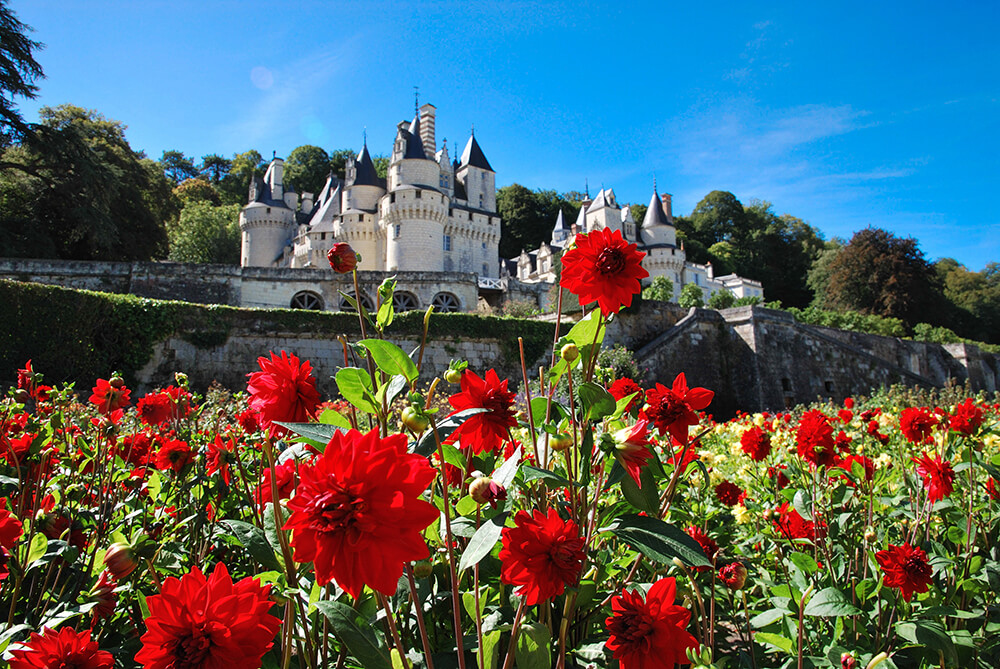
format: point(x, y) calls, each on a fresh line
point(307, 168)
point(661, 288)
point(879, 273)
point(235, 186)
point(818, 276)
point(719, 217)
point(527, 218)
point(215, 167)
point(781, 250)
point(974, 299)
point(197, 190)
point(721, 299)
point(18, 72)
point(86, 193)
point(338, 161)
point(177, 166)
point(206, 234)
point(691, 296)
point(638, 212)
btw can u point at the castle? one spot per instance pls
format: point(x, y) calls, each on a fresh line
point(656, 236)
point(434, 215)
point(431, 214)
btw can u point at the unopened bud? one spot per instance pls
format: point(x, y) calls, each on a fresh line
point(485, 490)
point(120, 560)
point(560, 442)
point(734, 575)
point(569, 352)
point(423, 569)
point(117, 382)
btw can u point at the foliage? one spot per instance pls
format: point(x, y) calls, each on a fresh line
point(938, 335)
point(974, 299)
point(721, 299)
point(850, 320)
point(197, 190)
point(235, 185)
point(616, 363)
point(307, 168)
point(527, 217)
point(879, 273)
point(206, 234)
point(519, 309)
point(177, 167)
point(215, 168)
point(18, 72)
point(76, 190)
point(691, 296)
point(660, 288)
point(748, 301)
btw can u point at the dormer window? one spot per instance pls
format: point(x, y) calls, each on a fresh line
point(419, 194)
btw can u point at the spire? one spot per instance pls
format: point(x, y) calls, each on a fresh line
point(365, 174)
point(414, 146)
point(654, 213)
point(586, 187)
point(473, 155)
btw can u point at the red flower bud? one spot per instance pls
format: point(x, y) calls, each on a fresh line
point(734, 575)
point(120, 560)
point(342, 258)
point(485, 490)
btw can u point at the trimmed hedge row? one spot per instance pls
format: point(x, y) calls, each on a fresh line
point(79, 335)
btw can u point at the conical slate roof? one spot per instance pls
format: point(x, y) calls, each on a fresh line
point(654, 213)
point(365, 174)
point(414, 145)
point(473, 155)
point(560, 222)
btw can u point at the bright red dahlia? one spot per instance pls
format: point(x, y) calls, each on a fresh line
point(916, 425)
point(208, 623)
point(109, 396)
point(603, 267)
point(632, 448)
point(708, 545)
point(674, 409)
point(542, 554)
point(357, 513)
point(624, 387)
point(966, 418)
point(650, 633)
point(793, 526)
point(906, 568)
point(284, 390)
point(938, 476)
point(483, 432)
point(814, 439)
point(63, 649)
point(155, 408)
point(221, 454)
point(734, 575)
point(756, 444)
point(10, 532)
point(285, 480)
point(174, 455)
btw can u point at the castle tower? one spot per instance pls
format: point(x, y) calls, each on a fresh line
point(358, 225)
point(561, 233)
point(604, 212)
point(479, 179)
point(656, 229)
point(267, 222)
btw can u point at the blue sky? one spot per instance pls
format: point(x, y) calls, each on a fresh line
point(843, 114)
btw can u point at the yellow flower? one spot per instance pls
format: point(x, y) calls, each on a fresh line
point(741, 514)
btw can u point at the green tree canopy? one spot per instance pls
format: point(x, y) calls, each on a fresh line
point(307, 168)
point(18, 72)
point(197, 190)
point(77, 190)
point(691, 296)
point(660, 288)
point(215, 168)
point(177, 166)
point(206, 234)
point(527, 217)
point(235, 186)
point(721, 299)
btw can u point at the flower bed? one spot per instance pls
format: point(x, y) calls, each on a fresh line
point(461, 525)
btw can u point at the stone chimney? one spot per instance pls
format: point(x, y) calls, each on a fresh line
point(307, 203)
point(668, 209)
point(427, 114)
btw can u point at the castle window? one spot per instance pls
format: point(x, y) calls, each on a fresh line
point(419, 194)
point(470, 215)
point(395, 231)
point(484, 246)
point(402, 301)
point(322, 236)
point(392, 197)
point(480, 200)
point(307, 300)
point(445, 303)
point(269, 210)
point(443, 182)
point(486, 269)
point(447, 242)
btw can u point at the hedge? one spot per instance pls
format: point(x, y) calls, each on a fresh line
point(79, 335)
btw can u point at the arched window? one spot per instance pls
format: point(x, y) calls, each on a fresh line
point(445, 303)
point(307, 300)
point(365, 302)
point(405, 302)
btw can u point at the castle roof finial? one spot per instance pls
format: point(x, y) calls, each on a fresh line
point(654, 182)
point(586, 187)
point(416, 100)
point(274, 154)
point(364, 136)
point(472, 130)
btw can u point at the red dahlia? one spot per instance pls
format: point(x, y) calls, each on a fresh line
point(734, 575)
point(602, 266)
point(674, 409)
point(174, 455)
point(624, 387)
point(65, 648)
point(109, 397)
point(966, 418)
point(793, 526)
point(756, 443)
point(204, 623)
point(938, 476)
point(916, 425)
point(814, 439)
point(542, 553)
point(649, 633)
point(357, 513)
point(221, 454)
point(284, 390)
point(906, 568)
point(708, 545)
point(728, 493)
point(285, 480)
point(484, 431)
point(342, 258)
point(632, 448)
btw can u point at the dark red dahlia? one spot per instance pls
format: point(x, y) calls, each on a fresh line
point(624, 387)
point(650, 632)
point(728, 493)
point(938, 475)
point(542, 554)
point(814, 439)
point(906, 568)
point(916, 425)
point(483, 432)
point(756, 444)
point(110, 395)
point(343, 259)
point(967, 418)
point(65, 648)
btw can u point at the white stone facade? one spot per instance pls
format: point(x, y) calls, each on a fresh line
point(430, 214)
point(656, 236)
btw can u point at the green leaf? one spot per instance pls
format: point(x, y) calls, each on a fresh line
point(453, 456)
point(595, 400)
point(391, 390)
point(355, 384)
point(39, 544)
point(533, 647)
point(360, 640)
point(764, 619)
point(254, 540)
point(335, 418)
point(776, 640)
point(491, 648)
point(482, 541)
point(390, 358)
point(931, 634)
point(644, 497)
point(531, 473)
point(427, 445)
point(317, 433)
point(804, 562)
point(830, 602)
point(621, 405)
point(658, 540)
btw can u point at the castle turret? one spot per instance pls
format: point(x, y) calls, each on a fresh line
point(656, 229)
point(478, 177)
point(267, 222)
